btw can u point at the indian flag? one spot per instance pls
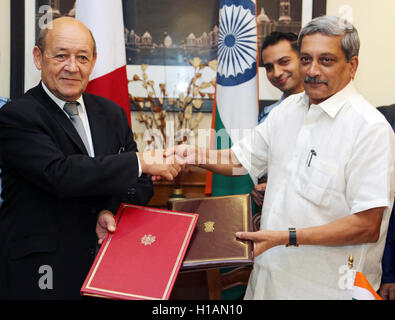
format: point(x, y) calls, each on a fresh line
point(362, 290)
point(108, 79)
point(236, 106)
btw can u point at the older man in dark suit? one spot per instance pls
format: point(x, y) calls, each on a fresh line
point(68, 160)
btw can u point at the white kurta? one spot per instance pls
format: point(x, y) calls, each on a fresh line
point(324, 163)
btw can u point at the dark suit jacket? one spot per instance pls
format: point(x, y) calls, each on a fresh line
point(53, 191)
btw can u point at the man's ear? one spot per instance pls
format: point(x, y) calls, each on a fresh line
point(354, 62)
point(94, 61)
point(38, 57)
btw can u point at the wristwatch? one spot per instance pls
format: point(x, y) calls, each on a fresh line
point(292, 238)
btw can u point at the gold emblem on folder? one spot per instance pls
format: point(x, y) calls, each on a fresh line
point(147, 240)
point(209, 226)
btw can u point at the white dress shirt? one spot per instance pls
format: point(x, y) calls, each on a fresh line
point(324, 162)
point(81, 112)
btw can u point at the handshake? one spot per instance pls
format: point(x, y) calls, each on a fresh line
point(168, 163)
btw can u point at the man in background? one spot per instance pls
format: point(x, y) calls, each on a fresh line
point(281, 61)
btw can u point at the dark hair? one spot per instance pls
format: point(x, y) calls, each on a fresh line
point(277, 36)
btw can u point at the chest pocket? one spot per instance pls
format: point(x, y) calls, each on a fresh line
point(313, 181)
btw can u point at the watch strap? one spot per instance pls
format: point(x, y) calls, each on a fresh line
point(292, 238)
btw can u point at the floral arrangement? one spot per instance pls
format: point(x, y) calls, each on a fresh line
point(153, 109)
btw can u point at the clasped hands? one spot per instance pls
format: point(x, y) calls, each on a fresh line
point(166, 163)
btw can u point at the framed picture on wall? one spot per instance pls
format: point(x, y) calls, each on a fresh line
point(166, 36)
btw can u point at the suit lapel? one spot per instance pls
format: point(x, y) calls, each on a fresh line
point(98, 125)
point(59, 116)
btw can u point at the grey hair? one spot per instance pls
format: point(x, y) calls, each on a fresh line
point(40, 41)
point(334, 26)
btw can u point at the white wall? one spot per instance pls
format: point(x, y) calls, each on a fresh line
point(373, 19)
point(376, 25)
point(5, 48)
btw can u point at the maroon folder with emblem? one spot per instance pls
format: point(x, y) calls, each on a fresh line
point(213, 242)
point(141, 259)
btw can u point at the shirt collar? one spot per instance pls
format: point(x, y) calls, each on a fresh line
point(58, 101)
point(333, 104)
point(303, 99)
point(3, 101)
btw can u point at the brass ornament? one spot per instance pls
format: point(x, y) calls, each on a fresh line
point(148, 240)
point(209, 226)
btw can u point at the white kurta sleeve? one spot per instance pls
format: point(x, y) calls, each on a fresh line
point(252, 151)
point(369, 174)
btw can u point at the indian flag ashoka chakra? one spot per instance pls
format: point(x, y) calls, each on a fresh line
point(237, 43)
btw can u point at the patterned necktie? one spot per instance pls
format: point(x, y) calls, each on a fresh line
point(71, 109)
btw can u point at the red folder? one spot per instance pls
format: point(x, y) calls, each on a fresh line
point(141, 259)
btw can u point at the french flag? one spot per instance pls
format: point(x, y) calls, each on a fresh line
point(108, 79)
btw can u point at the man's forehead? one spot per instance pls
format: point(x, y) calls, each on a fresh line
point(320, 39)
point(68, 27)
point(83, 49)
point(322, 43)
point(278, 51)
point(62, 40)
point(280, 45)
point(69, 33)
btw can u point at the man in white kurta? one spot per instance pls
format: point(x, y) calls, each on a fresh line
point(348, 173)
point(330, 158)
